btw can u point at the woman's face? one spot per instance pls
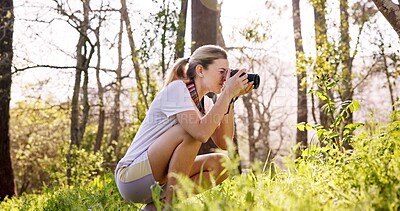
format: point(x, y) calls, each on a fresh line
point(215, 75)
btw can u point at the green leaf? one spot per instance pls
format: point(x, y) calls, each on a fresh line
point(309, 126)
point(321, 95)
point(356, 105)
point(301, 126)
point(331, 84)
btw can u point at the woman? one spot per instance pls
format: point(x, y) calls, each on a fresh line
point(178, 122)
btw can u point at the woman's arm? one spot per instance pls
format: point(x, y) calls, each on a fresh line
point(225, 130)
point(215, 123)
point(202, 128)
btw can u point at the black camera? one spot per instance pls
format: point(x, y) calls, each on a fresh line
point(250, 76)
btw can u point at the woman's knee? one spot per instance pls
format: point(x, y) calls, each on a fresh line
point(217, 162)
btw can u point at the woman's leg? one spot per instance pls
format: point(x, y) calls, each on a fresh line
point(176, 152)
point(207, 168)
point(173, 152)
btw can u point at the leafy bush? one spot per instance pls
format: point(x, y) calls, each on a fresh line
point(84, 165)
point(37, 130)
point(99, 194)
point(323, 178)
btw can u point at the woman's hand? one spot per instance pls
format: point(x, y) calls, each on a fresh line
point(238, 85)
point(248, 88)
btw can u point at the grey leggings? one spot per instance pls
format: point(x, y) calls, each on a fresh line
point(134, 182)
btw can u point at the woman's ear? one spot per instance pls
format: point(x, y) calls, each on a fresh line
point(200, 70)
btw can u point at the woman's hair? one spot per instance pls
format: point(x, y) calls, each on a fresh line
point(204, 55)
point(177, 71)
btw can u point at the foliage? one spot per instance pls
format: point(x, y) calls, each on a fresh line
point(37, 130)
point(84, 166)
point(337, 133)
point(40, 141)
point(255, 31)
point(158, 43)
point(322, 179)
point(99, 194)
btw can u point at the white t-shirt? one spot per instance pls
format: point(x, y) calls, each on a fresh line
point(161, 116)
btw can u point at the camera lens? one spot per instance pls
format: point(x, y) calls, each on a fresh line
point(250, 76)
point(255, 78)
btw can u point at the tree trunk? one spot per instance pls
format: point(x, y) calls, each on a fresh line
point(180, 36)
point(116, 111)
point(83, 58)
point(320, 39)
point(204, 31)
point(220, 37)
point(134, 55)
point(100, 92)
point(391, 12)
point(263, 117)
point(250, 127)
point(204, 22)
point(347, 87)
point(6, 56)
point(301, 136)
point(235, 142)
point(382, 53)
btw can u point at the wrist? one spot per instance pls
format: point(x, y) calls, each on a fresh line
point(229, 94)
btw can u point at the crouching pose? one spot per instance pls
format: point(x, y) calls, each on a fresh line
point(179, 120)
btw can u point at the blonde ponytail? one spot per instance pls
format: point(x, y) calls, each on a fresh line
point(178, 71)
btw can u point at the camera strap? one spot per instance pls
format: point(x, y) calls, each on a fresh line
point(233, 100)
point(195, 97)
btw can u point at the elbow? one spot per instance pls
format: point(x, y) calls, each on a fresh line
point(202, 137)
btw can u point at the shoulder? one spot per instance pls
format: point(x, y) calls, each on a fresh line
point(175, 87)
point(175, 91)
point(176, 84)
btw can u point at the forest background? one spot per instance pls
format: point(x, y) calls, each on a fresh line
point(85, 72)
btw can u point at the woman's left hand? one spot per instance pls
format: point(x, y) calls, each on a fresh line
point(247, 89)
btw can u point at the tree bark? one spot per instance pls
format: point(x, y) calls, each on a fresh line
point(301, 136)
point(116, 110)
point(387, 72)
point(204, 23)
point(6, 56)
point(180, 36)
point(391, 11)
point(220, 37)
point(100, 92)
point(347, 86)
point(83, 57)
point(250, 127)
point(134, 55)
point(82, 64)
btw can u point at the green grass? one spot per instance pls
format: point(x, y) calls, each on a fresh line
point(324, 179)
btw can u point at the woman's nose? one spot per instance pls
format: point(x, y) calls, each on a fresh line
point(224, 76)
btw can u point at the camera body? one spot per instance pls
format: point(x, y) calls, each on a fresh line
point(250, 76)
